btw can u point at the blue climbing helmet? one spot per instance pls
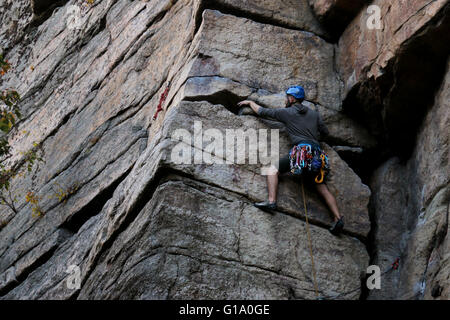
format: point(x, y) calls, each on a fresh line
point(297, 92)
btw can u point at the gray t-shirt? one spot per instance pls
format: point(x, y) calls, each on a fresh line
point(302, 123)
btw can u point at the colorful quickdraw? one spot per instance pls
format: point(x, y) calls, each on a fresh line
point(300, 157)
point(306, 157)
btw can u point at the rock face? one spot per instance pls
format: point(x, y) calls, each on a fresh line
point(138, 223)
point(15, 17)
point(201, 242)
point(411, 206)
point(293, 14)
point(364, 53)
point(390, 74)
point(335, 15)
point(265, 57)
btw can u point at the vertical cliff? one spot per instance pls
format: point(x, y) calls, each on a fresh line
point(396, 82)
point(142, 226)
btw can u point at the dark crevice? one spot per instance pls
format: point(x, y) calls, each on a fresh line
point(366, 162)
point(24, 275)
point(370, 246)
point(394, 105)
point(199, 16)
point(43, 9)
point(364, 290)
point(337, 19)
point(145, 196)
point(44, 6)
point(436, 291)
point(158, 18)
point(291, 294)
point(225, 98)
point(61, 124)
point(94, 207)
point(97, 29)
point(124, 115)
point(8, 288)
point(365, 108)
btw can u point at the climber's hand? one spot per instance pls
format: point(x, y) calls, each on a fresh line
point(245, 103)
point(250, 103)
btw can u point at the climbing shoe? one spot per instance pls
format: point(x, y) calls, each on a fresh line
point(266, 205)
point(336, 229)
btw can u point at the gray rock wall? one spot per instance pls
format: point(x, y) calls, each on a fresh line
point(411, 206)
point(141, 226)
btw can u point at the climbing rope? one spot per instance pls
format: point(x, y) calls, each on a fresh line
point(161, 101)
point(310, 243)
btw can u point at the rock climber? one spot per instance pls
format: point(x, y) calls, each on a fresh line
point(304, 127)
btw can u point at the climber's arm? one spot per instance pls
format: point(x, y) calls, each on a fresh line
point(255, 107)
point(278, 113)
point(323, 130)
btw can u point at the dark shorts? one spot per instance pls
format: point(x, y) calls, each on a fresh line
point(284, 166)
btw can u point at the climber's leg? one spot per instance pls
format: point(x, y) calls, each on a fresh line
point(272, 185)
point(330, 200)
point(338, 225)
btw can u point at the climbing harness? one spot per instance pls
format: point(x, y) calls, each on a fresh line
point(161, 101)
point(311, 158)
point(300, 158)
point(310, 243)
